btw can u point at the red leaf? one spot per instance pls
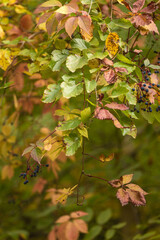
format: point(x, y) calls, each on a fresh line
point(78, 214)
point(123, 196)
point(63, 219)
point(135, 197)
point(118, 106)
point(52, 235)
point(137, 6)
point(71, 25)
point(141, 20)
point(81, 225)
point(121, 69)
point(106, 61)
point(61, 231)
point(115, 183)
point(110, 76)
point(71, 231)
point(102, 114)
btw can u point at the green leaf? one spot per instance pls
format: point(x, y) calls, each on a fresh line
point(28, 53)
point(71, 89)
point(131, 98)
point(154, 66)
point(72, 144)
point(146, 62)
point(119, 225)
point(109, 234)
point(52, 93)
point(124, 59)
point(138, 73)
point(124, 65)
point(121, 22)
point(104, 216)
point(80, 44)
point(93, 233)
point(70, 124)
point(149, 116)
point(27, 150)
point(58, 57)
point(131, 131)
point(90, 85)
point(75, 62)
point(36, 154)
point(85, 114)
point(118, 91)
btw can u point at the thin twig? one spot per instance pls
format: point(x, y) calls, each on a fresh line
point(111, 4)
point(90, 7)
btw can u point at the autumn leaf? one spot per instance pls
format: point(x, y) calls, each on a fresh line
point(112, 43)
point(110, 76)
point(118, 106)
point(78, 214)
point(123, 196)
point(63, 219)
point(103, 159)
point(72, 232)
point(7, 172)
point(80, 225)
point(39, 186)
point(66, 192)
point(70, 25)
point(26, 22)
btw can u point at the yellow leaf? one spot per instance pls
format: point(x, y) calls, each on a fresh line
point(120, 1)
point(6, 130)
point(2, 34)
point(66, 192)
point(126, 178)
point(7, 172)
point(102, 158)
point(20, 9)
point(83, 131)
point(11, 139)
point(112, 43)
point(5, 59)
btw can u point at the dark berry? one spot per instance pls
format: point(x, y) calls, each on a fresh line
point(147, 78)
point(137, 111)
point(21, 174)
point(158, 62)
point(158, 85)
point(156, 71)
point(149, 87)
point(153, 84)
point(133, 89)
point(142, 88)
point(140, 97)
point(147, 90)
point(142, 65)
point(159, 107)
point(144, 85)
point(144, 72)
point(149, 73)
point(25, 182)
point(35, 175)
point(144, 109)
point(47, 165)
point(144, 95)
point(146, 103)
point(155, 52)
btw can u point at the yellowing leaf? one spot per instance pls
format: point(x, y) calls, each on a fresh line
point(66, 192)
point(5, 59)
point(112, 43)
point(102, 158)
point(7, 172)
point(11, 139)
point(83, 131)
point(2, 34)
point(6, 130)
point(126, 178)
point(20, 9)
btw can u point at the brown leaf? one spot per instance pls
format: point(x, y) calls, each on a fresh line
point(81, 225)
point(102, 114)
point(26, 22)
point(52, 235)
point(126, 178)
point(137, 188)
point(137, 6)
point(123, 196)
point(118, 106)
point(44, 17)
point(70, 25)
point(151, 7)
point(116, 183)
point(110, 76)
point(74, 4)
point(150, 28)
point(86, 27)
point(78, 214)
point(141, 20)
point(71, 231)
point(39, 186)
point(51, 25)
point(63, 219)
point(135, 197)
point(40, 83)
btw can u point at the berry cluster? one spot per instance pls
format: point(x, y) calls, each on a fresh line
point(32, 171)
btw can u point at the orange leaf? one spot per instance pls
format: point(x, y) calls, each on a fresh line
point(7, 172)
point(26, 23)
point(71, 25)
point(78, 214)
point(102, 158)
point(81, 225)
point(52, 235)
point(63, 219)
point(71, 231)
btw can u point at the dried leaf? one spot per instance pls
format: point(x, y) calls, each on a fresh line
point(52, 235)
point(86, 27)
point(137, 6)
point(66, 10)
point(141, 20)
point(137, 188)
point(116, 183)
point(71, 231)
point(118, 106)
point(39, 186)
point(7, 172)
point(26, 22)
point(151, 7)
point(81, 225)
point(107, 62)
point(123, 196)
point(137, 198)
point(121, 69)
